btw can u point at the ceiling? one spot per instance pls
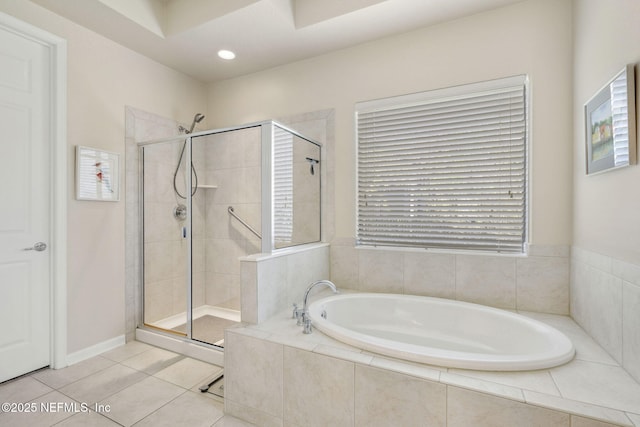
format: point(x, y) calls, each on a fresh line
point(187, 34)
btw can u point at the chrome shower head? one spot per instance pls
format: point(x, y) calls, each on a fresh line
point(196, 119)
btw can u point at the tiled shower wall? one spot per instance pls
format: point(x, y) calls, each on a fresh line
point(306, 194)
point(537, 282)
point(605, 301)
point(233, 167)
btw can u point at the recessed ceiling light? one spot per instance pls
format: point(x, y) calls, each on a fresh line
point(226, 54)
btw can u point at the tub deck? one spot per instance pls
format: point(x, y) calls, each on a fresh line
point(591, 387)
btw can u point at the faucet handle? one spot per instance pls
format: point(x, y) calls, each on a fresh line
point(297, 314)
point(307, 324)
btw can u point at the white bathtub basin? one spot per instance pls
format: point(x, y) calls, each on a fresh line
point(441, 332)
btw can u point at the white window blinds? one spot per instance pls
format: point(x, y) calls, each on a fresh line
point(282, 185)
point(445, 169)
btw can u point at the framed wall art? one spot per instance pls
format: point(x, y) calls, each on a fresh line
point(610, 124)
point(97, 175)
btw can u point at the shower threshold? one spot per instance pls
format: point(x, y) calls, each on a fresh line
point(197, 348)
point(208, 324)
point(176, 320)
point(177, 344)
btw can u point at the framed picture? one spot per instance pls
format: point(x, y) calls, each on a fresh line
point(97, 175)
point(610, 124)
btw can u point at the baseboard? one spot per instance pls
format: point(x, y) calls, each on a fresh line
point(95, 350)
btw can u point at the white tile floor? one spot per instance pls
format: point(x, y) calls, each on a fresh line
point(136, 384)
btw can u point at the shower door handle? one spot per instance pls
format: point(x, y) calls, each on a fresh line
point(38, 247)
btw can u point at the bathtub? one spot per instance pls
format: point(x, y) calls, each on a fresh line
point(441, 332)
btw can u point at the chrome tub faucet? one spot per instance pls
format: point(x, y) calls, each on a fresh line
point(302, 314)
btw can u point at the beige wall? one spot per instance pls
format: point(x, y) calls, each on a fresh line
point(103, 77)
point(606, 206)
point(532, 37)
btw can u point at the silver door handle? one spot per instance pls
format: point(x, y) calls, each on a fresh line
point(39, 247)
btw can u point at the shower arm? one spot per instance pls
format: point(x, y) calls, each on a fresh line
point(250, 228)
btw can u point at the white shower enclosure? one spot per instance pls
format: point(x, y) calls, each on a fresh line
point(207, 200)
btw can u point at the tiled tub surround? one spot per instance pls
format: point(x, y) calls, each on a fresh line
point(605, 301)
point(275, 376)
point(273, 282)
point(537, 282)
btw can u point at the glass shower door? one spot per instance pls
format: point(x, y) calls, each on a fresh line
point(228, 166)
point(165, 242)
point(202, 211)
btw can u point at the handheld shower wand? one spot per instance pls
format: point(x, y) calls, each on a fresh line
point(196, 119)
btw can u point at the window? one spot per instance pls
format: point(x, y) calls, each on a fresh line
point(282, 186)
point(445, 168)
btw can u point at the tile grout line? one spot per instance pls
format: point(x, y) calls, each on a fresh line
point(158, 409)
point(70, 366)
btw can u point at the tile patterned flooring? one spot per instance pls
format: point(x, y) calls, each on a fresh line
point(132, 385)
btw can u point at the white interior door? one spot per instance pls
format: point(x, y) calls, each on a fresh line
point(25, 116)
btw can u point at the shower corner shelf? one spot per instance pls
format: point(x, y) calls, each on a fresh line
point(205, 186)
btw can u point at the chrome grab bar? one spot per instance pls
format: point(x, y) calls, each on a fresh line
point(250, 228)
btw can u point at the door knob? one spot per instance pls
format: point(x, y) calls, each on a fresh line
point(39, 247)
